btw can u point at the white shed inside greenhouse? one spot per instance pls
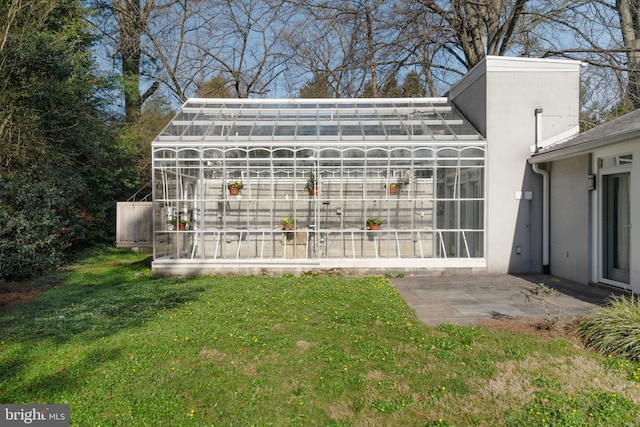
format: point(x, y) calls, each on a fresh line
point(447, 177)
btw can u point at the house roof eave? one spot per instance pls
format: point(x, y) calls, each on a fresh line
point(583, 148)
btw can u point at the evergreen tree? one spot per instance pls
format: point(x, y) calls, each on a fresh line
point(61, 167)
point(214, 88)
point(317, 87)
point(368, 91)
point(412, 86)
point(390, 88)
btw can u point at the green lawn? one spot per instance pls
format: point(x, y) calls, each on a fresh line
point(123, 348)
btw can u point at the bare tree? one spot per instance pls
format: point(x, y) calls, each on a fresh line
point(480, 27)
point(247, 38)
point(450, 37)
point(239, 41)
point(353, 47)
point(132, 22)
point(424, 40)
point(326, 45)
point(351, 43)
point(180, 45)
point(605, 35)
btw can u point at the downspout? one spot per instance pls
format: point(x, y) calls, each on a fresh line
point(546, 269)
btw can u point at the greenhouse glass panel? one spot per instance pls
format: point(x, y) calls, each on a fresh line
point(295, 181)
point(328, 130)
point(372, 129)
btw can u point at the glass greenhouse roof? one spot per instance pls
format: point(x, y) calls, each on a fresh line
point(317, 120)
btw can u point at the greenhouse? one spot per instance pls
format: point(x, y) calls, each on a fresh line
point(306, 183)
point(368, 186)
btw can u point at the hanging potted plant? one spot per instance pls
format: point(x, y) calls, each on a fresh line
point(311, 185)
point(235, 187)
point(374, 223)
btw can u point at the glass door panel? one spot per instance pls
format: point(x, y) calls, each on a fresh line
point(616, 227)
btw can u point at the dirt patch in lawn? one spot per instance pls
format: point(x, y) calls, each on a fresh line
point(559, 328)
point(13, 293)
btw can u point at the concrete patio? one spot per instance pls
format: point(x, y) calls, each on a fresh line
point(466, 299)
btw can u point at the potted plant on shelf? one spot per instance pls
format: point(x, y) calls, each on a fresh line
point(179, 225)
point(311, 186)
point(235, 187)
point(374, 223)
point(288, 223)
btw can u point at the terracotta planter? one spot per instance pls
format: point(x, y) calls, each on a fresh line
point(373, 226)
point(312, 191)
point(182, 227)
point(393, 190)
point(234, 191)
point(288, 231)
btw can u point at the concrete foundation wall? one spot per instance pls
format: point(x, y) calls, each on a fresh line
point(433, 267)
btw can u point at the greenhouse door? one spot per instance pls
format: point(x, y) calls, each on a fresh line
point(616, 227)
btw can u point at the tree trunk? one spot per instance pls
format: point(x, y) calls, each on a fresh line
point(629, 13)
point(131, 23)
point(482, 27)
point(371, 47)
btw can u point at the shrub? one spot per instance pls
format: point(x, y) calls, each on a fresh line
point(614, 329)
point(36, 227)
point(62, 164)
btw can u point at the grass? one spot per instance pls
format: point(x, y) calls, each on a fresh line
point(124, 348)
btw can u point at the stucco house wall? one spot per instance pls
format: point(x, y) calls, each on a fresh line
point(570, 219)
point(586, 241)
point(514, 89)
